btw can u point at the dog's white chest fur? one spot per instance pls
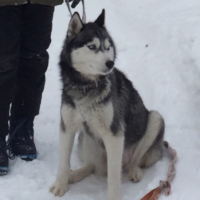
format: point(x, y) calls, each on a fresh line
point(96, 117)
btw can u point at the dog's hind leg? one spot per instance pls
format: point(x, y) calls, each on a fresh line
point(155, 152)
point(151, 157)
point(155, 127)
point(79, 174)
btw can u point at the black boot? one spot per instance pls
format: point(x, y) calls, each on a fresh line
point(21, 138)
point(3, 157)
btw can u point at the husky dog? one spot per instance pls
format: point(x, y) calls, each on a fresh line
point(116, 131)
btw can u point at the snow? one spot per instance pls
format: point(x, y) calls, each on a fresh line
point(158, 47)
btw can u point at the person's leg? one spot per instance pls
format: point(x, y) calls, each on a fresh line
point(35, 40)
point(10, 17)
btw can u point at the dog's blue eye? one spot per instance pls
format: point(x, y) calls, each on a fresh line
point(108, 48)
point(92, 47)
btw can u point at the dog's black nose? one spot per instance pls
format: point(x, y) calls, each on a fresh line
point(110, 64)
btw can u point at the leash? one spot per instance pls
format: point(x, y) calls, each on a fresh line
point(84, 13)
point(164, 186)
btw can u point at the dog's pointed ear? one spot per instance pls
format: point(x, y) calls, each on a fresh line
point(75, 26)
point(101, 19)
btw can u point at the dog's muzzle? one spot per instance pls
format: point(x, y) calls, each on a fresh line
point(110, 64)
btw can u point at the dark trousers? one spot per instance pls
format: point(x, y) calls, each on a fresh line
point(25, 35)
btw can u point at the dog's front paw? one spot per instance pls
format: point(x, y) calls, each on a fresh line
point(135, 174)
point(59, 188)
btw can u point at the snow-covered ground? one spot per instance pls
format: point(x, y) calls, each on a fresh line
point(158, 43)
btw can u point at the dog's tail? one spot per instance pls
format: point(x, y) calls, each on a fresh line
point(164, 185)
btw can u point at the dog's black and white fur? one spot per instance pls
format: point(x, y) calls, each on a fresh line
point(116, 131)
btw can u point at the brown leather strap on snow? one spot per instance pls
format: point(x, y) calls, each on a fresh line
point(153, 194)
point(164, 185)
point(84, 13)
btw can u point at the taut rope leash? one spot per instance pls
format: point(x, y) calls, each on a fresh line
point(68, 6)
point(84, 13)
point(164, 185)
